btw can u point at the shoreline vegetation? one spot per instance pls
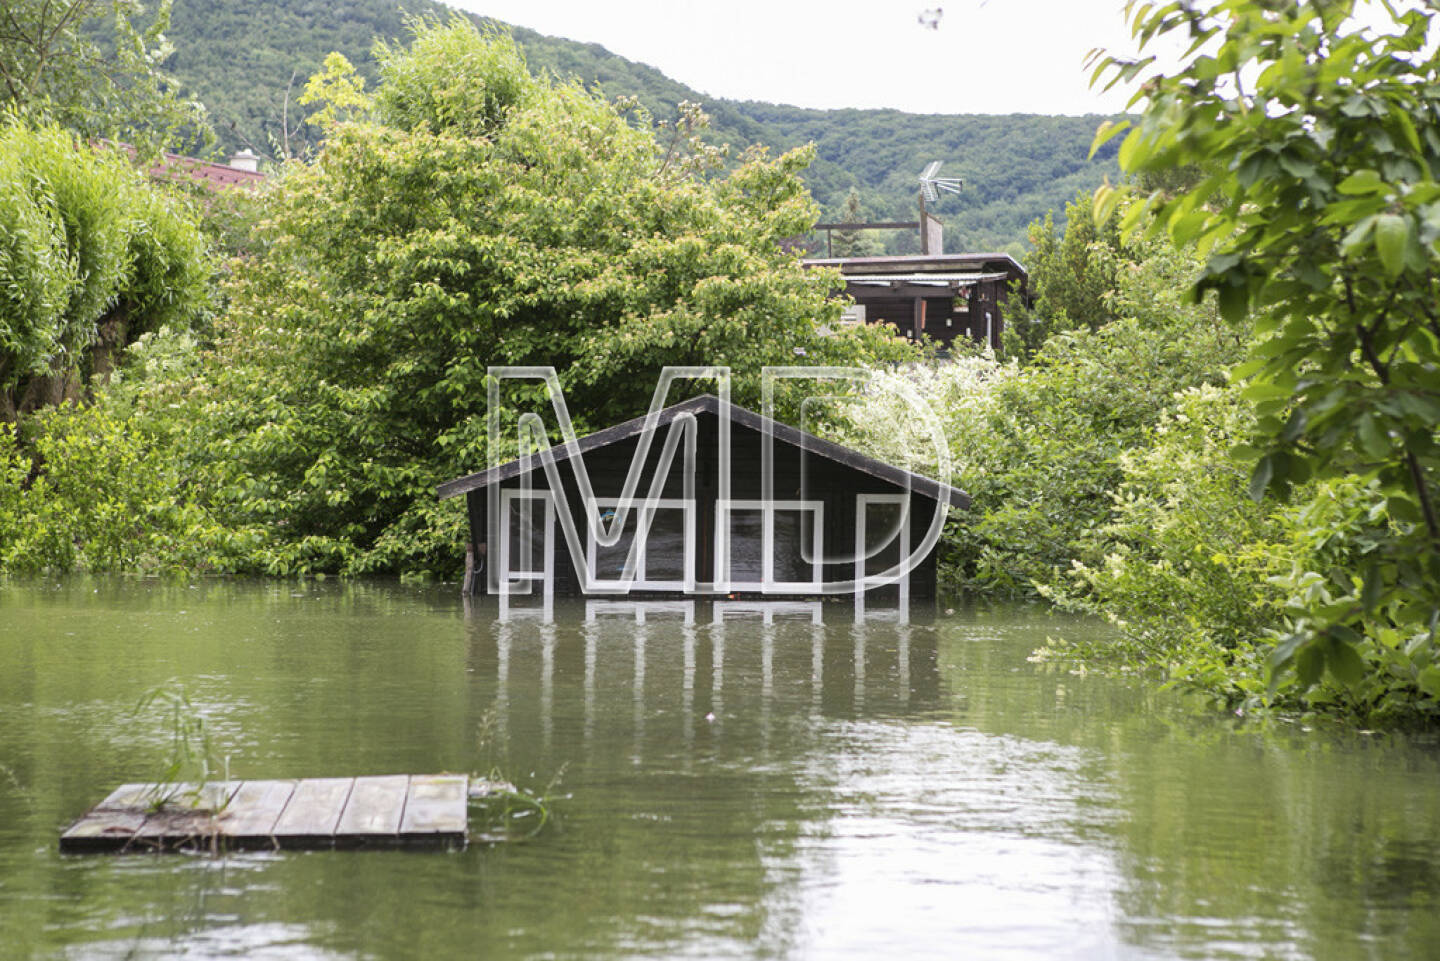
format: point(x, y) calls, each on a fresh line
point(1215, 426)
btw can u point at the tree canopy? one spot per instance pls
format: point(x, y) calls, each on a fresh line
point(93, 66)
point(485, 216)
point(1324, 221)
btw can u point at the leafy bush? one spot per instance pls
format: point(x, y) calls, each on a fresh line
point(87, 492)
point(1209, 585)
point(91, 256)
point(1317, 203)
point(1381, 666)
point(1185, 561)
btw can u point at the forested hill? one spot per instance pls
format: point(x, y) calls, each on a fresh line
point(240, 57)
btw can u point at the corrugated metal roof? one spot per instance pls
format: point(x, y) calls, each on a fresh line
point(922, 280)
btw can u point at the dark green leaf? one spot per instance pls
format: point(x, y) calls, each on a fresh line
point(1345, 663)
point(1260, 479)
point(1309, 665)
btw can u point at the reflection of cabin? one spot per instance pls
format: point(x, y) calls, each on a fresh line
point(833, 521)
point(939, 295)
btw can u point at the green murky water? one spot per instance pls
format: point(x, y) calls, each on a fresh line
point(741, 783)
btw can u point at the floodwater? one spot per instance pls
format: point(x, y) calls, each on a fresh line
point(736, 782)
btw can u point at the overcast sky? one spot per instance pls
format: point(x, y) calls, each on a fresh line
point(986, 56)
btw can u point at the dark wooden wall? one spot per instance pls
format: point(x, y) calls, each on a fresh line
point(967, 317)
point(833, 483)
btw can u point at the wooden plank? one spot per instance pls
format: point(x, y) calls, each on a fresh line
point(250, 819)
point(872, 225)
point(436, 808)
point(316, 812)
point(103, 830)
point(127, 796)
point(111, 824)
point(189, 819)
point(310, 818)
point(374, 811)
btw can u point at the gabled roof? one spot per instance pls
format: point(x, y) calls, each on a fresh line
point(710, 404)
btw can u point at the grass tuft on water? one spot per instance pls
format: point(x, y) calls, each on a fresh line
point(502, 812)
point(190, 757)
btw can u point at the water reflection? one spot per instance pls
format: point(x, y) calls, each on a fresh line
point(693, 668)
point(742, 780)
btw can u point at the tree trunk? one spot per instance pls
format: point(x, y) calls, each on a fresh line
point(104, 355)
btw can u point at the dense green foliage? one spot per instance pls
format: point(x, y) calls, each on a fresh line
point(1325, 221)
point(91, 256)
point(248, 61)
point(482, 217)
point(111, 496)
point(1073, 272)
point(93, 66)
point(1204, 581)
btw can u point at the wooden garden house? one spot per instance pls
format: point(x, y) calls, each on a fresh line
point(941, 296)
point(709, 512)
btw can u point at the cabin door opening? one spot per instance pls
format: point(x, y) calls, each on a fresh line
point(769, 547)
point(654, 549)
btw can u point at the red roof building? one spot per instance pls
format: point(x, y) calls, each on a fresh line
point(242, 170)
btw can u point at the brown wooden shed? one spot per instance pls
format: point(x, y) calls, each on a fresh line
point(940, 296)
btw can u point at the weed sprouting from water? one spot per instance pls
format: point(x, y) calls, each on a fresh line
point(503, 811)
point(508, 813)
point(190, 759)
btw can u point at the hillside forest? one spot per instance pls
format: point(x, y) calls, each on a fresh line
point(242, 57)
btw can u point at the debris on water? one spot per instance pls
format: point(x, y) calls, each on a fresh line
point(710, 716)
point(482, 788)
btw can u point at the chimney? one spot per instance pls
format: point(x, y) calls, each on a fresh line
point(932, 233)
point(246, 160)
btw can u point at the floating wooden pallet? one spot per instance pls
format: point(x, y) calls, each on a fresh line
point(399, 810)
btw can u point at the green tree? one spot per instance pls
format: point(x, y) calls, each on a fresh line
point(53, 64)
point(1322, 216)
point(91, 256)
point(1072, 278)
point(851, 242)
point(340, 89)
point(488, 217)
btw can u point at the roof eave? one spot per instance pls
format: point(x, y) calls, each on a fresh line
point(709, 403)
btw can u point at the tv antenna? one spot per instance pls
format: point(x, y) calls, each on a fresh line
point(931, 185)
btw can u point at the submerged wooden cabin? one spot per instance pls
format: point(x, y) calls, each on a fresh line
point(829, 520)
point(940, 296)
